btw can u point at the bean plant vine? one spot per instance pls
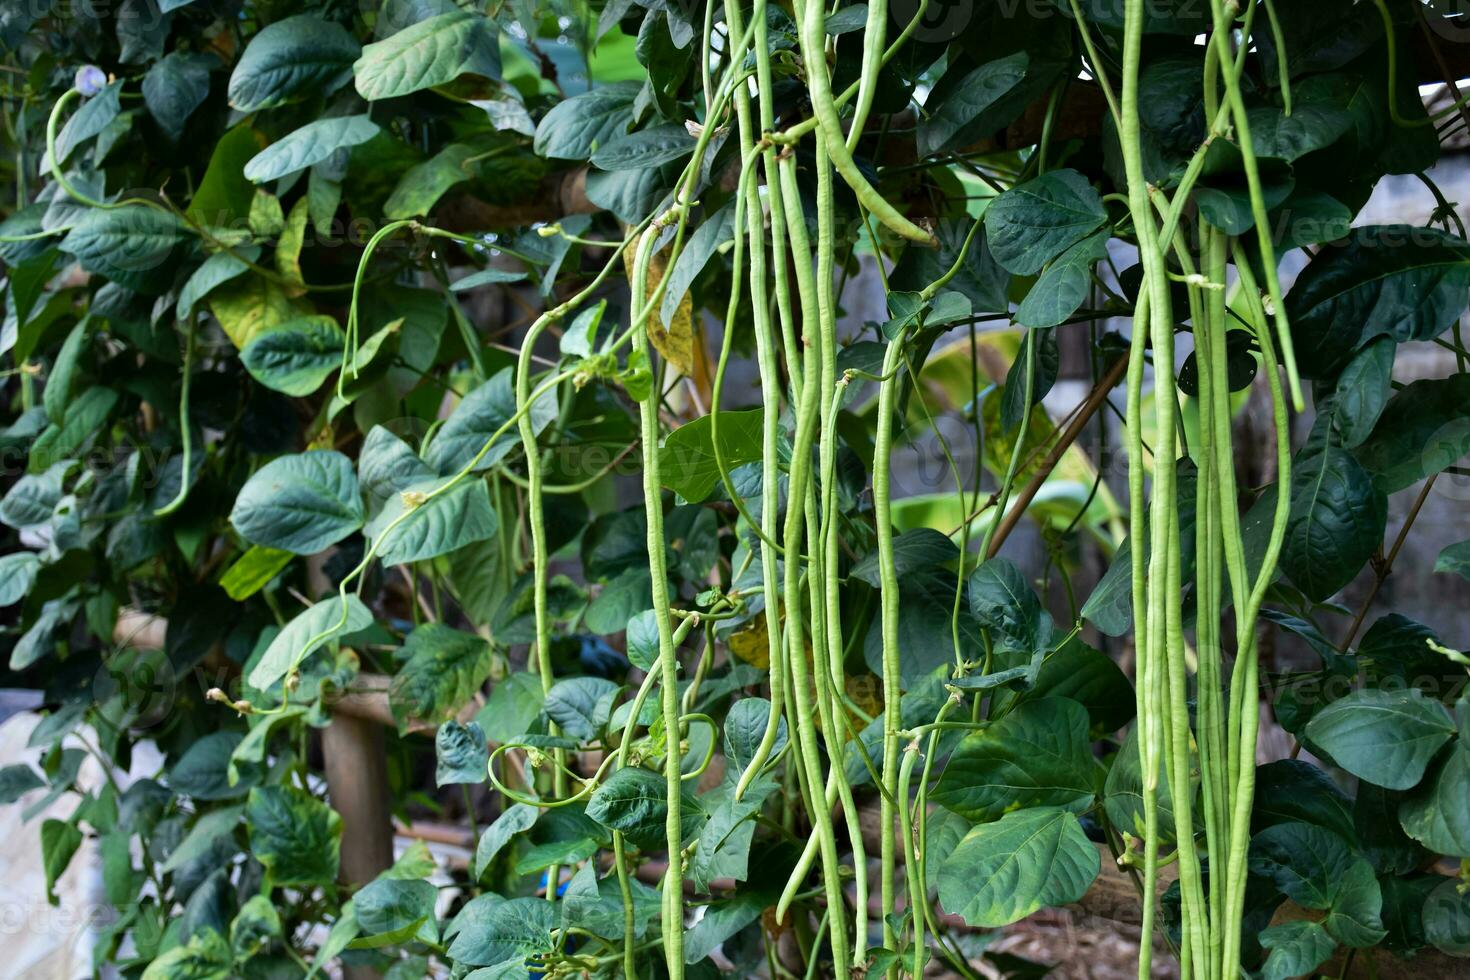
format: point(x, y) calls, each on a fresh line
point(754, 488)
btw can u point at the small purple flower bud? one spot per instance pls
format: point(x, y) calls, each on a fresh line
point(90, 80)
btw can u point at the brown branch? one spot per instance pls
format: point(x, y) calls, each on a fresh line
point(1089, 408)
point(1435, 63)
point(1384, 568)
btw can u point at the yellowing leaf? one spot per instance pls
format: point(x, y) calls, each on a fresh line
point(267, 220)
point(865, 691)
point(673, 340)
point(288, 248)
point(251, 304)
point(751, 643)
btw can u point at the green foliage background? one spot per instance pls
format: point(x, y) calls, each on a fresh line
point(269, 266)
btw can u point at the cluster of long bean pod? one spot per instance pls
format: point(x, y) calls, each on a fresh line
point(788, 281)
point(1220, 743)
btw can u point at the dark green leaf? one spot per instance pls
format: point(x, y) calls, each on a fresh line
point(574, 127)
point(1385, 737)
point(1162, 17)
point(1310, 127)
point(1455, 559)
point(91, 119)
point(723, 847)
point(386, 465)
point(174, 87)
point(309, 145)
point(1290, 790)
point(1379, 832)
point(597, 904)
point(321, 623)
point(206, 956)
point(64, 370)
point(1065, 284)
point(477, 419)
point(405, 531)
point(975, 106)
point(516, 818)
point(745, 727)
point(1001, 872)
point(724, 920)
point(217, 270)
point(292, 58)
point(301, 503)
point(17, 575)
point(642, 640)
point(421, 187)
point(133, 245)
point(32, 499)
point(1397, 280)
point(687, 457)
point(1037, 755)
point(1447, 918)
point(1123, 793)
point(645, 148)
point(513, 706)
point(1047, 362)
point(16, 781)
point(487, 277)
point(1337, 521)
point(296, 836)
point(979, 278)
point(1363, 391)
point(635, 802)
point(1308, 217)
point(462, 754)
point(925, 633)
point(1297, 949)
point(296, 356)
point(1003, 602)
point(202, 771)
point(202, 837)
point(393, 911)
point(1437, 814)
point(83, 420)
point(59, 843)
point(631, 194)
point(1033, 223)
point(443, 668)
point(1424, 428)
point(1397, 647)
point(1090, 677)
point(431, 52)
point(1316, 869)
point(700, 247)
point(506, 930)
point(581, 706)
point(920, 551)
point(1320, 37)
point(1404, 904)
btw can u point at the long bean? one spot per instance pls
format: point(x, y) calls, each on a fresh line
point(1150, 631)
point(888, 605)
point(186, 463)
point(770, 431)
point(811, 17)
